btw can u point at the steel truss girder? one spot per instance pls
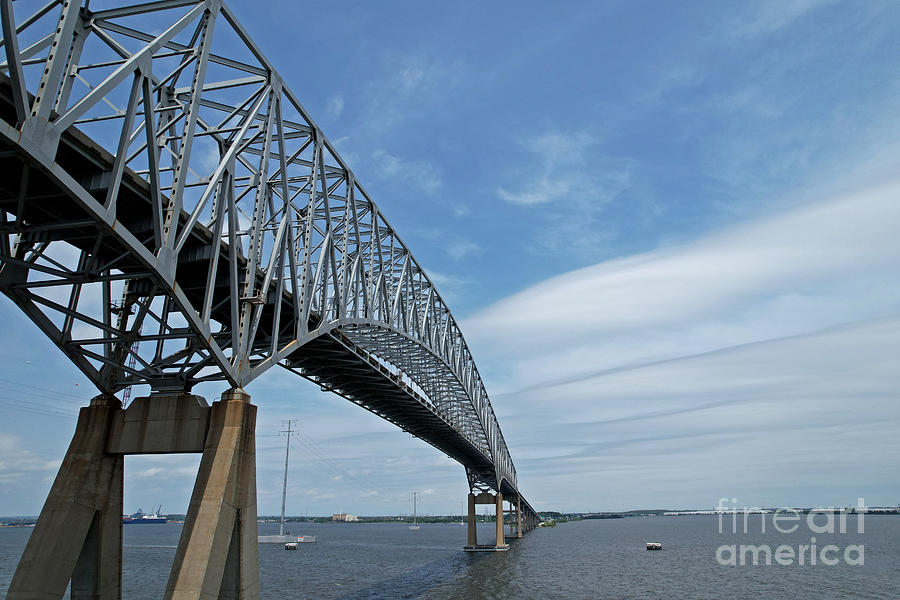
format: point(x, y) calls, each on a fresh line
point(211, 229)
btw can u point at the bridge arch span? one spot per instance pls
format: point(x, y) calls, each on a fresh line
point(180, 218)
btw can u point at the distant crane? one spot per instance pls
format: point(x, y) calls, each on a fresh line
point(132, 361)
point(125, 309)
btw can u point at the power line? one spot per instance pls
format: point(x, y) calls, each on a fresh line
point(55, 393)
point(26, 406)
point(30, 401)
point(312, 447)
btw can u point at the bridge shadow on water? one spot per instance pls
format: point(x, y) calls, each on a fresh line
point(463, 575)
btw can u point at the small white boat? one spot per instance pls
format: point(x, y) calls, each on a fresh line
point(275, 539)
point(290, 546)
point(286, 539)
point(654, 546)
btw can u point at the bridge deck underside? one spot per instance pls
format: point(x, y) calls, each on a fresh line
point(332, 363)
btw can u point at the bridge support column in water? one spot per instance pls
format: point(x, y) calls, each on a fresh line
point(472, 538)
point(518, 516)
point(472, 544)
point(78, 536)
point(501, 538)
point(217, 555)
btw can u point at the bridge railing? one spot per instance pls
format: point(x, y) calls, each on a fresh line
point(256, 234)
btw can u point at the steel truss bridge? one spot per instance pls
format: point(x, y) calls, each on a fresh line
point(172, 215)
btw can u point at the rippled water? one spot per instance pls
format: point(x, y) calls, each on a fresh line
point(587, 559)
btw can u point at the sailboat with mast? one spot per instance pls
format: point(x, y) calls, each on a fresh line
point(415, 525)
point(283, 538)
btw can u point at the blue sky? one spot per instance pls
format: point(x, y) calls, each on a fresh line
point(669, 233)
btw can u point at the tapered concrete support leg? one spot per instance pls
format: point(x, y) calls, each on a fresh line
point(78, 535)
point(518, 516)
point(501, 540)
point(472, 539)
point(217, 555)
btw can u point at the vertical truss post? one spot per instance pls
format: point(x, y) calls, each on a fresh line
point(57, 60)
point(16, 77)
point(187, 137)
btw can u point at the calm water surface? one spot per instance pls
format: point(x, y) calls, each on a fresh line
point(587, 559)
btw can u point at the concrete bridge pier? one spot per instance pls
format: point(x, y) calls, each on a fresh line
point(472, 544)
point(217, 555)
point(518, 516)
point(78, 536)
point(515, 519)
point(472, 537)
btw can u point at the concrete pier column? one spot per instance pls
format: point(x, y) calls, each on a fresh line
point(518, 516)
point(78, 535)
point(472, 539)
point(217, 555)
point(500, 543)
point(501, 540)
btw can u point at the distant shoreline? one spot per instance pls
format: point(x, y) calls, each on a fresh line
point(29, 521)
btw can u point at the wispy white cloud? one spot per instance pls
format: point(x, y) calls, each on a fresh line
point(460, 209)
point(773, 15)
point(408, 86)
point(569, 183)
point(335, 105)
point(669, 78)
point(344, 145)
point(658, 363)
point(767, 130)
point(784, 416)
point(801, 270)
point(451, 287)
point(152, 472)
point(560, 169)
point(462, 248)
point(419, 174)
point(18, 462)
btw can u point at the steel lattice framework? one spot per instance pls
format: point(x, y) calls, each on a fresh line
point(172, 215)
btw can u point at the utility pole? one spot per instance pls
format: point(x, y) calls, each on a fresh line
point(287, 451)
